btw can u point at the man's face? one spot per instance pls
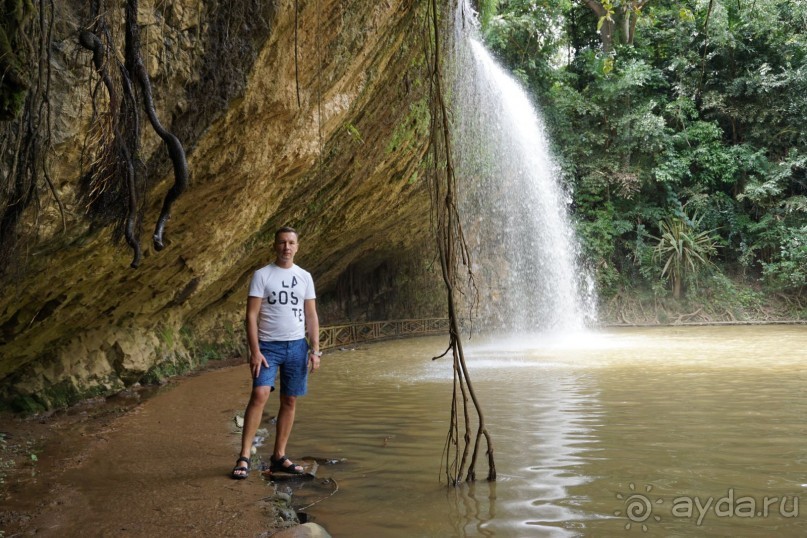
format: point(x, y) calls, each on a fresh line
point(286, 246)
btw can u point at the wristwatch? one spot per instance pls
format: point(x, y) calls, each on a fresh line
point(315, 353)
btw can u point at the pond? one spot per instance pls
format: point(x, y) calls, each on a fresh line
point(690, 431)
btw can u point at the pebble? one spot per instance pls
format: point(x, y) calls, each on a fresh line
point(306, 530)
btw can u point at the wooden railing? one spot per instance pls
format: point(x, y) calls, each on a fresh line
point(343, 335)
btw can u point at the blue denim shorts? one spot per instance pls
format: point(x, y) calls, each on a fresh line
point(291, 358)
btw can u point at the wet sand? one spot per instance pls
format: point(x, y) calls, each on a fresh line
point(159, 467)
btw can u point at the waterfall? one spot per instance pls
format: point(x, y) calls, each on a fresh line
point(514, 209)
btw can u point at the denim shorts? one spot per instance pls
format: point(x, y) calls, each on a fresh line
point(291, 358)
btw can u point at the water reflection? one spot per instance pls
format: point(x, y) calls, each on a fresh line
point(576, 423)
point(470, 507)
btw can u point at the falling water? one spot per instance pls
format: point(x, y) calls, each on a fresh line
point(516, 222)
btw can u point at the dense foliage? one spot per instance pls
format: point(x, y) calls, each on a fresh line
point(673, 116)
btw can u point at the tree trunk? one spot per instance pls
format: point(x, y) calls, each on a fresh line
point(618, 26)
point(626, 20)
point(606, 28)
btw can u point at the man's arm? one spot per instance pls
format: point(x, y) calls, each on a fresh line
point(312, 328)
point(256, 358)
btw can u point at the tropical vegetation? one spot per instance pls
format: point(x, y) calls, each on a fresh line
point(681, 127)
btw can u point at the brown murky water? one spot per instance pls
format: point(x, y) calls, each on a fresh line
point(696, 431)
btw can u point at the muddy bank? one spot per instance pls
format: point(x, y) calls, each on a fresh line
point(159, 466)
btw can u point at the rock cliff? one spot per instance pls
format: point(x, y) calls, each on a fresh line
point(307, 113)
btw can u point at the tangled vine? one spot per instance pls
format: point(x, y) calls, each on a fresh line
point(453, 251)
point(115, 183)
point(25, 112)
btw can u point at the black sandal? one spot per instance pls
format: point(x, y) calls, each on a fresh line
point(240, 473)
point(276, 466)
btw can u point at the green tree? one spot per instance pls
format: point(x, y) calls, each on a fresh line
point(616, 20)
point(684, 250)
point(654, 106)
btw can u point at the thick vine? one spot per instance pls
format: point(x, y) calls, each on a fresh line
point(115, 183)
point(453, 251)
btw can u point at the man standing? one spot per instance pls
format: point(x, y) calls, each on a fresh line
point(281, 308)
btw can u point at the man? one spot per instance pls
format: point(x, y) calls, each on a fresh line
point(281, 308)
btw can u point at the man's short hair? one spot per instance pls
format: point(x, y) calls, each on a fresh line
point(286, 230)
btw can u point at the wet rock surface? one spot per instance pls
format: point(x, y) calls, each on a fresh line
point(328, 135)
point(306, 530)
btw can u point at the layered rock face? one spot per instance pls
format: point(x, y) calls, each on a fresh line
point(328, 133)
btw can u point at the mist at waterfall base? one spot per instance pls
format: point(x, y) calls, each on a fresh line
point(525, 257)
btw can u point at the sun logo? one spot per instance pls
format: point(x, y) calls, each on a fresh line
point(638, 507)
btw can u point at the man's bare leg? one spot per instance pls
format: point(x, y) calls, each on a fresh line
point(285, 421)
point(252, 419)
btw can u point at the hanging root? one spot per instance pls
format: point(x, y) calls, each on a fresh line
point(453, 250)
point(116, 182)
point(175, 150)
point(26, 43)
point(93, 43)
point(176, 153)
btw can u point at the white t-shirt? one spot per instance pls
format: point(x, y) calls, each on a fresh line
point(282, 292)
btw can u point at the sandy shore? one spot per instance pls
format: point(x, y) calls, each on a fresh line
point(127, 468)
